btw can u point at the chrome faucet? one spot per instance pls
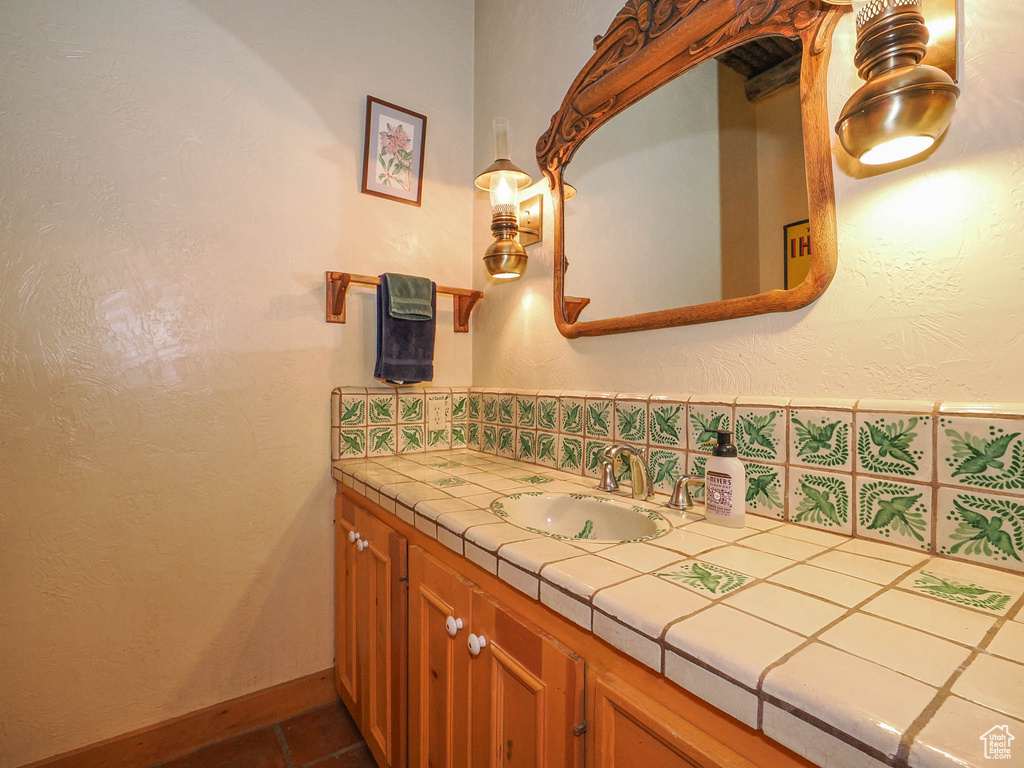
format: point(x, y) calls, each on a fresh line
point(637, 470)
point(681, 498)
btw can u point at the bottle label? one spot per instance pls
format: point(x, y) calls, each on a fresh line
point(718, 494)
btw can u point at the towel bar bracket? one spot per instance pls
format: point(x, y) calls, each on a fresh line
point(338, 283)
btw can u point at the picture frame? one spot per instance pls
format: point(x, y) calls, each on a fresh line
point(393, 152)
point(796, 252)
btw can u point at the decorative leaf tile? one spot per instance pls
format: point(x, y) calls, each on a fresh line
point(490, 406)
point(895, 511)
point(353, 410)
point(352, 442)
point(526, 444)
point(570, 454)
point(460, 406)
point(382, 441)
point(981, 527)
point(821, 500)
point(821, 439)
point(448, 482)
point(460, 437)
point(704, 420)
point(440, 463)
point(599, 417)
point(489, 438)
point(761, 434)
point(668, 425)
point(507, 442)
point(410, 438)
point(473, 435)
point(439, 439)
point(547, 413)
point(705, 578)
point(697, 464)
point(410, 409)
point(382, 409)
point(572, 415)
point(474, 405)
point(526, 411)
point(547, 449)
point(899, 445)
point(534, 479)
point(507, 409)
point(959, 591)
point(666, 466)
point(592, 452)
point(984, 453)
point(630, 421)
point(765, 489)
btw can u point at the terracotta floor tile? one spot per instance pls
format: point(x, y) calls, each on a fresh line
point(258, 749)
point(357, 758)
point(320, 733)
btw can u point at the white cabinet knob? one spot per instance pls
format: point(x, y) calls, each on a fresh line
point(453, 625)
point(362, 544)
point(352, 536)
point(476, 644)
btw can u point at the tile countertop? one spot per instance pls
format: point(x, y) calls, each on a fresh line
point(849, 652)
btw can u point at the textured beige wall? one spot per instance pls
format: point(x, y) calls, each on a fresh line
point(176, 177)
point(926, 302)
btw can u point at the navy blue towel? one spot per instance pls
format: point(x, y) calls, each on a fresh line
point(405, 348)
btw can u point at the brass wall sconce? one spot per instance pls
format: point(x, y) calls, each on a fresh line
point(909, 97)
point(506, 257)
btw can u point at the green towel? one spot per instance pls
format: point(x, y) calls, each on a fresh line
point(409, 297)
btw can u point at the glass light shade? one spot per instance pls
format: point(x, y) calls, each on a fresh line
point(894, 150)
point(504, 193)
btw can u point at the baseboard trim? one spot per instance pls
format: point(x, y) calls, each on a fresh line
point(181, 735)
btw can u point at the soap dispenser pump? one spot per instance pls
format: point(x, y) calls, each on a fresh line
point(725, 484)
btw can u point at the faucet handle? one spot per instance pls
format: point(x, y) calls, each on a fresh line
point(608, 481)
point(681, 498)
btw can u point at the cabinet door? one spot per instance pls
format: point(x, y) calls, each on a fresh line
point(346, 660)
point(381, 611)
point(527, 694)
point(438, 664)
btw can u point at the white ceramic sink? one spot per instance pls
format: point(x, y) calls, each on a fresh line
point(578, 517)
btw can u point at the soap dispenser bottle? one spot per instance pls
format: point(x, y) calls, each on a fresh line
point(725, 484)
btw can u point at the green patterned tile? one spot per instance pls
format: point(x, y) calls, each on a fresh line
point(534, 479)
point(766, 489)
point(489, 439)
point(592, 452)
point(353, 410)
point(630, 421)
point(447, 482)
point(474, 406)
point(507, 409)
point(526, 411)
point(896, 445)
point(460, 405)
point(439, 439)
point(704, 421)
point(490, 406)
point(599, 417)
point(668, 425)
point(666, 466)
point(547, 413)
point(526, 444)
point(959, 591)
point(410, 438)
point(981, 452)
point(821, 500)
point(895, 512)
point(697, 464)
point(411, 409)
point(382, 408)
point(382, 441)
point(460, 438)
point(572, 415)
point(547, 449)
point(352, 442)
point(761, 434)
point(507, 442)
point(982, 527)
point(442, 463)
point(821, 439)
point(705, 578)
point(473, 435)
point(570, 453)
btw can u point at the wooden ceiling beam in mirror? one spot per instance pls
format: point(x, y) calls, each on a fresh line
point(651, 42)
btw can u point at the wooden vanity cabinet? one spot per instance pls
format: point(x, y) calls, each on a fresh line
point(371, 581)
point(513, 704)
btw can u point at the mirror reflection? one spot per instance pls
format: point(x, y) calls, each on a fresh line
point(697, 192)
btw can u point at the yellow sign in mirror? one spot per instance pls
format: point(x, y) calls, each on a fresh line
point(797, 241)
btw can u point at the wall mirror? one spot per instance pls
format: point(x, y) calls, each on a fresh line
point(697, 137)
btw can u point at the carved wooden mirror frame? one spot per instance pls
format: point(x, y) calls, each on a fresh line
point(649, 43)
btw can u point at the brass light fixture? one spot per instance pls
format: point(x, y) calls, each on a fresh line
point(505, 258)
point(904, 106)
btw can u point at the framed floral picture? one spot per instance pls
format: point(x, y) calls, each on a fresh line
point(393, 155)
